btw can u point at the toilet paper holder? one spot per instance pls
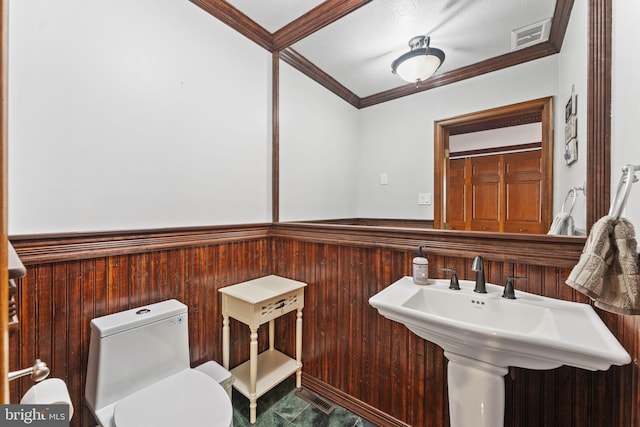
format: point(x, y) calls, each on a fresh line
point(39, 371)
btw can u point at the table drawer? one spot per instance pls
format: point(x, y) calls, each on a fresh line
point(278, 306)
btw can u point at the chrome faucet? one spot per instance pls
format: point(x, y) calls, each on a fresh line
point(478, 267)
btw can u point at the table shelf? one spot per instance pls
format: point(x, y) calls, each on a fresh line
point(273, 368)
point(254, 303)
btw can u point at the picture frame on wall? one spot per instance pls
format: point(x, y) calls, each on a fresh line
point(568, 110)
point(570, 129)
point(571, 151)
point(571, 108)
point(571, 118)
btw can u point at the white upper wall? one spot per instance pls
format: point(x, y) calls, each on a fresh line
point(572, 72)
point(395, 139)
point(129, 114)
point(397, 136)
point(318, 150)
point(624, 107)
point(492, 138)
point(116, 125)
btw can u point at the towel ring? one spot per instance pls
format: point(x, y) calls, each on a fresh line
point(573, 191)
point(626, 180)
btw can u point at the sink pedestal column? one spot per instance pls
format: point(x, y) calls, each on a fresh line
point(476, 392)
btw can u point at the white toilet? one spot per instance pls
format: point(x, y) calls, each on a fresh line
point(138, 372)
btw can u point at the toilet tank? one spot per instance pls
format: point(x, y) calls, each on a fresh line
point(135, 348)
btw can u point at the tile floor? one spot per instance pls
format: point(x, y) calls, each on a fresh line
point(282, 408)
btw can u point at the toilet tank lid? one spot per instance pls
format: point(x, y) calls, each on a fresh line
point(136, 317)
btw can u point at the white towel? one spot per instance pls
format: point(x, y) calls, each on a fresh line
point(563, 225)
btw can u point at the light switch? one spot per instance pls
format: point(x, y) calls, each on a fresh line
point(424, 198)
point(383, 179)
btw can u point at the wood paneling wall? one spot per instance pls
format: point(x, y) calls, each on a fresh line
point(381, 364)
point(353, 355)
point(59, 296)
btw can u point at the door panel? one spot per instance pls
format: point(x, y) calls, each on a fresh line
point(457, 193)
point(496, 192)
point(486, 193)
point(523, 192)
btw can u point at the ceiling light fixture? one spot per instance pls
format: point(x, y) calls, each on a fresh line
point(419, 63)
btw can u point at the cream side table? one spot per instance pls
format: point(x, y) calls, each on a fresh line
point(254, 303)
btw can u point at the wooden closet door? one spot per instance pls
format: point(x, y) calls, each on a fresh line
point(486, 193)
point(499, 192)
point(458, 180)
point(523, 180)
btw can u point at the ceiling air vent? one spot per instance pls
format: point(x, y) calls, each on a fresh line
point(530, 34)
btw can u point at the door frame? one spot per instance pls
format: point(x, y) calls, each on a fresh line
point(536, 110)
point(4, 241)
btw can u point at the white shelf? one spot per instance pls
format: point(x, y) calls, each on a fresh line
point(273, 368)
point(254, 303)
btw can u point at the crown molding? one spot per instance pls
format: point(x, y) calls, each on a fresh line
point(333, 10)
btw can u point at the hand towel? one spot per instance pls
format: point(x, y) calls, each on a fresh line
point(608, 270)
point(563, 225)
point(588, 275)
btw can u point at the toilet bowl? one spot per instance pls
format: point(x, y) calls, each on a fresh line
point(138, 372)
point(187, 398)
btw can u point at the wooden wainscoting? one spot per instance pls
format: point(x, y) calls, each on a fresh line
point(351, 354)
point(396, 378)
point(72, 279)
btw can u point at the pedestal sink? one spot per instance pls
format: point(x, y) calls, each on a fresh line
point(484, 334)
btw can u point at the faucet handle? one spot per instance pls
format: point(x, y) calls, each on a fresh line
point(453, 284)
point(509, 291)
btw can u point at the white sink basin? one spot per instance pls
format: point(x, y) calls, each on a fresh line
point(484, 334)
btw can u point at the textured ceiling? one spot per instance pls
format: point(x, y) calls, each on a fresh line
point(358, 49)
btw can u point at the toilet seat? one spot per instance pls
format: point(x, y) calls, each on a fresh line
point(189, 398)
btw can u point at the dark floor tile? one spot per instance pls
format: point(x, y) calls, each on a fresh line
point(280, 407)
point(290, 406)
point(277, 393)
point(240, 420)
point(265, 416)
point(272, 419)
point(268, 418)
point(339, 417)
point(267, 400)
point(238, 401)
point(364, 423)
